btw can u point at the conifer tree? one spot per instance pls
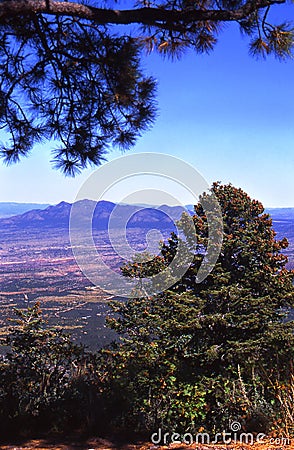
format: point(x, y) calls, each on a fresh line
point(203, 344)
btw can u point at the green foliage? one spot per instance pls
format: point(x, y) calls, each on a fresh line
point(143, 265)
point(44, 377)
point(70, 71)
point(222, 338)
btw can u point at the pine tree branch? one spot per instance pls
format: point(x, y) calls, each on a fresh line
point(145, 16)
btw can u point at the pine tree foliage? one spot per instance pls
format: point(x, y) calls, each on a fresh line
point(218, 336)
point(70, 71)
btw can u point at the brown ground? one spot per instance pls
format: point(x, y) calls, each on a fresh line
point(102, 444)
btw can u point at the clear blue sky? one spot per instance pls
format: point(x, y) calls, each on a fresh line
point(227, 114)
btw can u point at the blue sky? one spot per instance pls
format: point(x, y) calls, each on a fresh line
point(227, 114)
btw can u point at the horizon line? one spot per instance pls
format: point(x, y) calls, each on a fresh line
point(122, 203)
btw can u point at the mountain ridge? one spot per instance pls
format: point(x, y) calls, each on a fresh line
point(58, 215)
point(9, 209)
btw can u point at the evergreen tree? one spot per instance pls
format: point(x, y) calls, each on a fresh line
point(212, 351)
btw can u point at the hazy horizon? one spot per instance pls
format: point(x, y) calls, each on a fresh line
point(123, 203)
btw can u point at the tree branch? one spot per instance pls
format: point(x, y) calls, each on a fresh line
point(146, 16)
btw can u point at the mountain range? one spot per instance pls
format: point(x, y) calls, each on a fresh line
point(131, 216)
point(8, 209)
point(58, 216)
point(125, 216)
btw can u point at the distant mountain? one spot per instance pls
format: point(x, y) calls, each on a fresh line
point(281, 213)
point(132, 215)
point(56, 215)
point(8, 209)
point(283, 223)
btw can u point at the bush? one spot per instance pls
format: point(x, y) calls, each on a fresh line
point(45, 379)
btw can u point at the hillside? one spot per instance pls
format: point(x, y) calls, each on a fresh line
point(8, 209)
point(58, 216)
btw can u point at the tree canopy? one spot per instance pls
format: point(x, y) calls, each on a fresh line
point(70, 71)
point(204, 353)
